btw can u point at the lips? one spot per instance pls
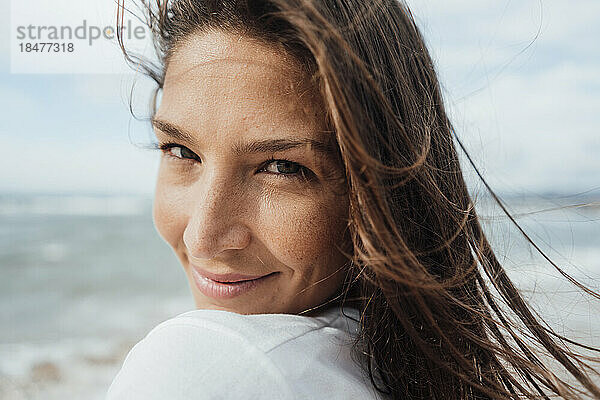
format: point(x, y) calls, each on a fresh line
point(225, 278)
point(225, 286)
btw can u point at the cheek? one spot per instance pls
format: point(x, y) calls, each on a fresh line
point(168, 214)
point(304, 235)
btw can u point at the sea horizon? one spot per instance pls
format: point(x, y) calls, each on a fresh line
point(85, 276)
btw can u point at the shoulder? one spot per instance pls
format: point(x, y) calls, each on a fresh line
point(203, 355)
point(206, 354)
point(264, 332)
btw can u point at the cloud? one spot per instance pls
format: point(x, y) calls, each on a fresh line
point(12, 98)
point(85, 166)
point(115, 89)
point(527, 109)
point(527, 114)
point(537, 131)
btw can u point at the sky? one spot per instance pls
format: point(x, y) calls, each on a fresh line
point(521, 81)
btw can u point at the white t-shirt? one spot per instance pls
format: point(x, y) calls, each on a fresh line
point(210, 354)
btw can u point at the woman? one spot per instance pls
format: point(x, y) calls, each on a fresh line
point(310, 187)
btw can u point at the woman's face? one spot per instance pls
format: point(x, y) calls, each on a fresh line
point(249, 191)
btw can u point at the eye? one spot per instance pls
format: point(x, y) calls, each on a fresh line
point(286, 169)
point(177, 151)
point(278, 167)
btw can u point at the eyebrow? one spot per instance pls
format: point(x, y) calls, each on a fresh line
point(259, 146)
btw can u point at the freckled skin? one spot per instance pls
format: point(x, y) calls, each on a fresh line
point(224, 215)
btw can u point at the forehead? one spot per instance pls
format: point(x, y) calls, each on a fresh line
point(235, 56)
point(232, 79)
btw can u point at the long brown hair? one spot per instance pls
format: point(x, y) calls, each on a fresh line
point(440, 319)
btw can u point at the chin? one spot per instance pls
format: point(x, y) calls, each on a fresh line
point(239, 306)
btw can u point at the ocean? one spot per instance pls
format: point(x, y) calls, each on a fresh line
point(84, 277)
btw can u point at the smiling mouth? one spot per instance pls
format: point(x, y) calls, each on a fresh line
point(230, 277)
point(235, 282)
point(227, 286)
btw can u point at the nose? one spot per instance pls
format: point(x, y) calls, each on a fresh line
point(216, 219)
